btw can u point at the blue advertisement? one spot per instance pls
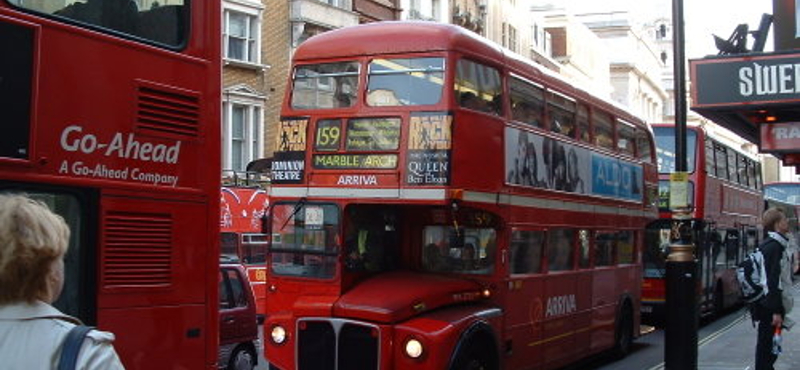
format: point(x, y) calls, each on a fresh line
point(615, 178)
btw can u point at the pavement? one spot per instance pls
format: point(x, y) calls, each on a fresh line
point(733, 346)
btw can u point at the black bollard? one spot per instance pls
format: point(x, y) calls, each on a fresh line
point(680, 348)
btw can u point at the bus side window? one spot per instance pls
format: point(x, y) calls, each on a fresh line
point(584, 133)
point(527, 102)
point(643, 150)
point(733, 172)
point(584, 249)
point(561, 114)
point(711, 166)
point(721, 160)
point(732, 241)
point(560, 253)
point(603, 130)
point(526, 251)
point(625, 246)
point(478, 87)
point(626, 140)
point(604, 248)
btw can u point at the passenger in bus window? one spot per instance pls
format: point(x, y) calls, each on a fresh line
point(471, 101)
point(528, 112)
point(33, 242)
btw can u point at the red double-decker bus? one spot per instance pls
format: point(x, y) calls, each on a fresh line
point(111, 116)
point(243, 210)
point(439, 202)
point(725, 199)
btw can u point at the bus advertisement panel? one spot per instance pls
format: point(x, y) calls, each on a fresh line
point(442, 203)
point(725, 202)
point(113, 122)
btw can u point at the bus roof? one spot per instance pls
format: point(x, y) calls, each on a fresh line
point(422, 37)
point(395, 37)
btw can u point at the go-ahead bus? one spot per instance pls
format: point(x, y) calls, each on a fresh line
point(111, 116)
point(725, 203)
point(438, 202)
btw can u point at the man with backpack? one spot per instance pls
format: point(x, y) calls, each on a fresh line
point(771, 310)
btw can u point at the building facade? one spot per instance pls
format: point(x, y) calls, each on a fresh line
point(245, 85)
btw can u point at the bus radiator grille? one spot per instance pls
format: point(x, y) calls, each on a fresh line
point(336, 344)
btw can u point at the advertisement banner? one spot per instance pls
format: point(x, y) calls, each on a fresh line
point(542, 162)
point(288, 166)
point(616, 178)
point(429, 144)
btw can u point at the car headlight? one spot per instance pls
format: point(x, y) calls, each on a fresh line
point(413, 348)
point(278, 334)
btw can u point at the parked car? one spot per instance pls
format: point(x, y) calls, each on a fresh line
point(238, 323)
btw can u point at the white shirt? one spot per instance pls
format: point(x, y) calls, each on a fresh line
point(31, 337)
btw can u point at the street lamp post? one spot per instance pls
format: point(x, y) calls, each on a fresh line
point(680, 349)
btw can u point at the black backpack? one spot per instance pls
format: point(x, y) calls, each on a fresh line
point(752, 276)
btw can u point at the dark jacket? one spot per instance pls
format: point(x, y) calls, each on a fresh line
point(773, 252)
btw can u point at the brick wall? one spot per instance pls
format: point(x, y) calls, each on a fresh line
point(276, 35)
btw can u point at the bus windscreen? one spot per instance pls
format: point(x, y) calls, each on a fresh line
point(665, 149)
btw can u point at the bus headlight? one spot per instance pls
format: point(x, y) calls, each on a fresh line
point(413, 348)
point(278, 334)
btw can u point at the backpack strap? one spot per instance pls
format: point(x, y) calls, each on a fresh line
point(72, 346)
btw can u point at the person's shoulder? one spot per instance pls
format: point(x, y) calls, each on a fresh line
point(100, 336)
point(98, 351)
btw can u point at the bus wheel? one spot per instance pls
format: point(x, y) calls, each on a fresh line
point(623, 336)
point(242, 359)
point(474, 356)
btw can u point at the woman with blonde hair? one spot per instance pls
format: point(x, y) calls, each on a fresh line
point(33, 242)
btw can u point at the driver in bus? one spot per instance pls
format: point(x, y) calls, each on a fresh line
point(364, 247)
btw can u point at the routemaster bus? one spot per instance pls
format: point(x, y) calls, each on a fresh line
point(725, 204)
point(438, 202)
point(111, 117)
point(243, 208)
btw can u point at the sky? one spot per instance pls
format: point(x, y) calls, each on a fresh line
point(702, 18)
point(720, 17)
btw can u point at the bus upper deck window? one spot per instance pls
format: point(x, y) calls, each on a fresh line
point(411, 81)
point(161, 21)
point(561, 113)
point(603, 130)
point(326, 85)
point(527, 102)
point(626, 140)
point(478, 87)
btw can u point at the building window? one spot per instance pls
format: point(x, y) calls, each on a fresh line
point(509, 36)
point(242, 133)
point(242, 36)
point(337, 3)
point(512, 38)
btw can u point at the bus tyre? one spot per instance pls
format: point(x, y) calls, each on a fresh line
point(474, 356)
point(623, 335)
point(242, 358)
